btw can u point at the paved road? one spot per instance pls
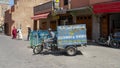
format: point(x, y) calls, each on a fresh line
point(15, 54)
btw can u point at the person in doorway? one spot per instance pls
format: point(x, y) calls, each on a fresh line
point(14, 33)
point(29, 31)
point(20, 36)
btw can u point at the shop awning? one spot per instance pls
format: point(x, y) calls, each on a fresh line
point(40, 16)
point(80, 11)
point(111, 7)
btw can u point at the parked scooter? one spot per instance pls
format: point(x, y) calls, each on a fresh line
point(109, 41)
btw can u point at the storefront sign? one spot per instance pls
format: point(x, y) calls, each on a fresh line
point(57, 1)
point(72, 34)
point(56, 5)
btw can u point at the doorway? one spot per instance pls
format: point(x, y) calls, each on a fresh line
point(86, 19)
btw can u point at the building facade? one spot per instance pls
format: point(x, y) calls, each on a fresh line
point(21, 16)
point(100, 16)
point(100, 20)
point(3, 8)
point(43, 16)
point(108, 14)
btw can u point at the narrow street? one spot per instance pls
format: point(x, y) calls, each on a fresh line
point(16, 54)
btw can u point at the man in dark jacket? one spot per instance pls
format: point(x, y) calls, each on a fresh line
point(29, 31)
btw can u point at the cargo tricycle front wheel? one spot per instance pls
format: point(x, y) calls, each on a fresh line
point(37, 49)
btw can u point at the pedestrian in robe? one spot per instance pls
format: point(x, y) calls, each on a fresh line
point(19, 33)
point(14, 33)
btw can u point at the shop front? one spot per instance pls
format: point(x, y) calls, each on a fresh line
point(65, 19)
point(50, 22)
point(115, 23)
point(109, 15)
point(83, 15)
point(38, 24)
point(43, 18)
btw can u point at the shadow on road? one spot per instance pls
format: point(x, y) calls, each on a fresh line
point(100, 45)
point(57, 53)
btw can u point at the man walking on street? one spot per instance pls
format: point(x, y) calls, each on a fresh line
point(20, 36)
point(29, 31)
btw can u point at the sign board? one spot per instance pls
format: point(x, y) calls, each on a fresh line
point(4, 1)
point(56, 4)
point(72, 34)
point(57, 1)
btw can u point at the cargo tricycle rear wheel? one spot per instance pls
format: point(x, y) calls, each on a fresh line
point(71, 50)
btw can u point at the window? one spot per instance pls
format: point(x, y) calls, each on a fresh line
point(89, 17)
point(65, 2)
point(77, 17)
point(81, 18)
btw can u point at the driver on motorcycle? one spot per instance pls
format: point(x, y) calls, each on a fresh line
point(52, 36)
